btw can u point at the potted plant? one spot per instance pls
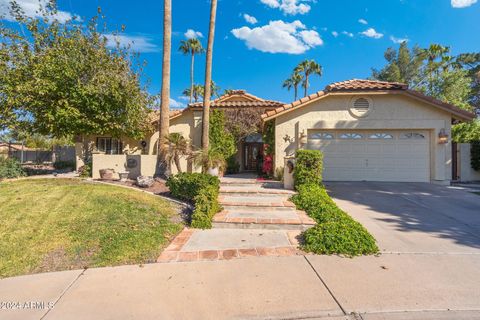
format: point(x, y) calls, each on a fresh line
point(211, 161)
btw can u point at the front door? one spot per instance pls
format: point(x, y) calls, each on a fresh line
point(252, 154)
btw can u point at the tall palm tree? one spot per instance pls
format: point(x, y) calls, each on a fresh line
point(196, 93)
point(293, 82)
point(208, 76)
point(177, 147)
point(164, 121)
point(191, 46)
point(308, 67)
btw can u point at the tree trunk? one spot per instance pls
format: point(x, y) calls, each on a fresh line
point(191, 76)
point(306, 84)
point(296, 92)
point(208, 77)
point(164, 122)
point(176, 159)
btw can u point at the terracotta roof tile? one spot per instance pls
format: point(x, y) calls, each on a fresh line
point(358, 84)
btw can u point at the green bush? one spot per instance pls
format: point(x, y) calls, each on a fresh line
point(308, 168)
point(60, 165)
point(10, 169)
point(475, 155)
point(344, 236)
point(220, 139)
point(187, 186)
point(336, 232)
point(200, 189)
point(232, 165)
point(85, 171)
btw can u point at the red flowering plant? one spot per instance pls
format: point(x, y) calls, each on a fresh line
point(267, 168)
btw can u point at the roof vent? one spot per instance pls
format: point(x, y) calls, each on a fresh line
point(360, 107)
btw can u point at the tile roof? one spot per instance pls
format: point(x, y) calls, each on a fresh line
point(358, 85)
point(248, 100)
point(153, 116)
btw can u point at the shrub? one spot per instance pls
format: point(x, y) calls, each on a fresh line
point(200, 189)
point(308, 168)
point(343, 236)
point(186, 186)
point(85, 171)
point(475, 155)
point(336, 232)
point(232, 165)
point(60, 165)
point(221, 140)
point(10, 169)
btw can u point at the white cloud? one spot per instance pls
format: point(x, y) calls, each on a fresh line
point(174, 104)
point(250, 19)
point(31, 9)
point(138, 43)
point(291, 7)
point(193, 34)
point(362, 21)
point(335, 34)
point(463, 3)
point(372, 33)
point(398, 40)
point(348, 34)
point(279, 37)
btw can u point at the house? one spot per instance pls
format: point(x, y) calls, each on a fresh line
point(367, 130)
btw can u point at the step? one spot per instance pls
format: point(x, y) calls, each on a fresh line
point(260, 200)
point(244, 218)
point(240, 190)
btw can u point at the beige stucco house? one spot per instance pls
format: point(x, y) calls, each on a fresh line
point(367, 130)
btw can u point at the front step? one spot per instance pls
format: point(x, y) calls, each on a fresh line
point(269, 218)
point(260, 200)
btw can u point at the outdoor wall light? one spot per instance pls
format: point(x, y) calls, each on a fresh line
point(442, 137)
point(287, 138)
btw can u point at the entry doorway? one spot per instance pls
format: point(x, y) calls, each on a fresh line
point(252, 152)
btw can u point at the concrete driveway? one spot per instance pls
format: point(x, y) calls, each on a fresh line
point(413, 217)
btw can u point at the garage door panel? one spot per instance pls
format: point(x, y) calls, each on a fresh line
point(398, 159)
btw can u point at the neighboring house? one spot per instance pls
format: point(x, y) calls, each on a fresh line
point(367, 130)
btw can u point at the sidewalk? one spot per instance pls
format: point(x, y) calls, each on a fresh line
point(389, 287)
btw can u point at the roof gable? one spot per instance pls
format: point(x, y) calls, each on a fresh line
point(357, 86)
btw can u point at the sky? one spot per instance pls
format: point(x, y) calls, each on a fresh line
point(259, 42)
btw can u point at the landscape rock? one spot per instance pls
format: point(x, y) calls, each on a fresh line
point(145, 181)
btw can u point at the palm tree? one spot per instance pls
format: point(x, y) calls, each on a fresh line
point(191, 46)
point(196, 93)
point(208, 77)
point(177, 147)
point(308, 67)
point(293, 82)
point(164, 121)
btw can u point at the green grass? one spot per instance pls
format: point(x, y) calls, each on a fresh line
point(59, 224)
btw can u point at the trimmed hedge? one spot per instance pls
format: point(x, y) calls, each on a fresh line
point(308, 167)
point(200, 189)
point(10, 169)
point(336, 232)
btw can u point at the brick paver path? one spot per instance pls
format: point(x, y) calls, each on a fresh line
point(257, 220)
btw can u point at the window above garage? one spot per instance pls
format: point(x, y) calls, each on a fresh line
point(353, 136)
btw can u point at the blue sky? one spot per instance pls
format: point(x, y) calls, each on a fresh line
point(257, 52)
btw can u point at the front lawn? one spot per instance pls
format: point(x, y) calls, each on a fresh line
point(59, 224)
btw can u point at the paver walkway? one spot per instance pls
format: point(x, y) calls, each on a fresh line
point(257, 220)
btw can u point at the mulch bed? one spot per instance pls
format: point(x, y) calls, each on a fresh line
point(158, 186)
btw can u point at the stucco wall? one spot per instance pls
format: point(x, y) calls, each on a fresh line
point(389, 112)
point(467, 174)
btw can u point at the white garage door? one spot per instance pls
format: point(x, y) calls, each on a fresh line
point(386, 155)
